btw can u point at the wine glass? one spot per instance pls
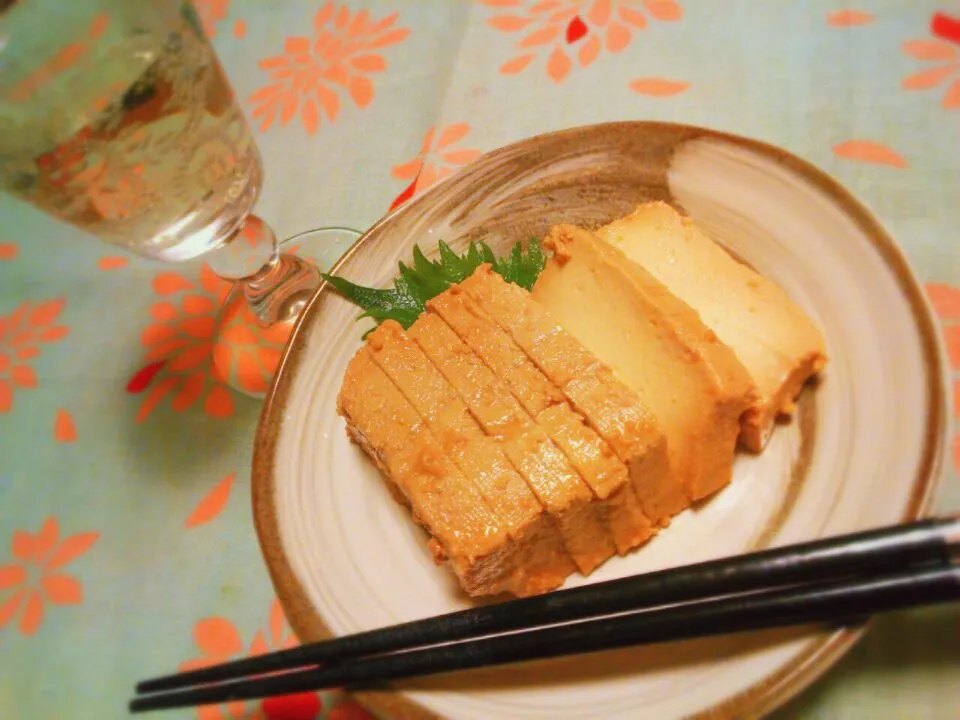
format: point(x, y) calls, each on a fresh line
point(117, 118)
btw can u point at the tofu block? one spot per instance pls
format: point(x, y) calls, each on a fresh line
point(481, 460)
point(420, 475)
point(773, 338)
point(589, 453)
point(557, 485)
point(607, 404)
point(655, 343)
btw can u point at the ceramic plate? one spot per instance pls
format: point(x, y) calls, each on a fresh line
point(863, 450)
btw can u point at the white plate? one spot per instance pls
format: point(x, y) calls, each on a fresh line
point(864, 450)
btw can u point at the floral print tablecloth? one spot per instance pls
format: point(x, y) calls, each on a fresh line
point(126, 542)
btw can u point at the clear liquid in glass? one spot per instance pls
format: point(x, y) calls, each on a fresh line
point(138, 140)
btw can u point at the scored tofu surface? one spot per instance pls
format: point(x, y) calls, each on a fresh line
point(451, 510)
point(558, 486)
point(774, 339)
point(656, 344)
point(609, 406)
point(534, 434)
point(590, 454)
point(477, 455)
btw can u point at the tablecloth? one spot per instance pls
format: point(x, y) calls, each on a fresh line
point(126, 542)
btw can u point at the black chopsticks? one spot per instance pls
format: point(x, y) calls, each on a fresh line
point(830, 580)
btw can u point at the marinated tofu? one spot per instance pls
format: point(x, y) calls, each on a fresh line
point(481, 460)
point(590, 454)
point(582, 519)
point(607, 404)
point(463, 529)
point(773, 338)
point(533, 434)
point(694, 386)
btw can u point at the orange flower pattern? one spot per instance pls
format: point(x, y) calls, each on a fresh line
point(868, 151)
point(64, 427)
point(310, 76)
point(36, 578)
point(113, 262)
point(849, 18)
point(247, 353)
point(570, 32)
point(219, 641)
point(22, 332)
point(658, 87)
point(946, 303)
point(190, 342)
point(180, 347)
point(212, 503)
point(211, 12)
point(116, 192)
point(67, 57)
point(942, 53)
point(438, 159)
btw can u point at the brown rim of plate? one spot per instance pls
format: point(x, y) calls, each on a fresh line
point(779, 686)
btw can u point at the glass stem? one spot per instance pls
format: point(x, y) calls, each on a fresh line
point(276, 285)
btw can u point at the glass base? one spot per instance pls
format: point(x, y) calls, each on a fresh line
point(246, 353)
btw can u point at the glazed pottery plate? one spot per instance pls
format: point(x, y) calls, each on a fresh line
point(862, 451)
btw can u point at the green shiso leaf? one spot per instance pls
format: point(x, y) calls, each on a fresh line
point(424, 279)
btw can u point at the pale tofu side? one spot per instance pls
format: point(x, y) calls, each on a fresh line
point(656, 344)
point(775, 340)
point(558, 486)
point(609, 406)
point(440, 498)
point(545, 562)
point(590, 454)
